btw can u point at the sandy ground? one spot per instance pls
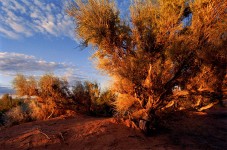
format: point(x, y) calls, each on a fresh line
point(191, 131)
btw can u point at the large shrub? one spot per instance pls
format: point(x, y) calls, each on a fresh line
point(153, 53)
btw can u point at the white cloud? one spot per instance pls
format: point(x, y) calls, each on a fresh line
point(26, 2)
point(10, 34)
point(74, 75)
point(19, 7)
point(24, 18)
point(13, 63)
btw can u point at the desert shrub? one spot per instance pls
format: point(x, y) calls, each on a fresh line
point(89, 99)
point(17, 115)
point(40, 111)
point(150, 53)
point(103, 105)
point(7, 106)
point(52, 95)
point(36, 112)
point(7, 103)
point(81, 97)
point(25, 85)
point(43, 111)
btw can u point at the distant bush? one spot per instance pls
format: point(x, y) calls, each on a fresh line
point(103, 105)
point(91, 100)
point(7, 102)
point(51, 96)
point(39, 111)
point(17, 115)
point(8, 105)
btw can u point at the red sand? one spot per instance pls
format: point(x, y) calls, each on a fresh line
point(192, 131)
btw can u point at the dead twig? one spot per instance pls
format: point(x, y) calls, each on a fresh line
point(50, 114)
point(32, 132)
point(45, 135)
point(62, 137)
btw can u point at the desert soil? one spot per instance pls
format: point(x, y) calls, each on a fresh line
point(192, 131)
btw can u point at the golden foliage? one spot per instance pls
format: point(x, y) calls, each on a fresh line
point(125, 104)
point(156, 50)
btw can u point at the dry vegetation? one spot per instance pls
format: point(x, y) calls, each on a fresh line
point(157, 51)
point(160, 66)
point(51, 97)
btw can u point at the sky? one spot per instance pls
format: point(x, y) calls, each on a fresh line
point(37, 37)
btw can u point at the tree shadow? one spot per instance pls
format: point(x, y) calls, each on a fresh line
point(199, 130)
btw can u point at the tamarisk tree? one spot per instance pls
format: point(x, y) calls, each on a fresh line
point(156, 50)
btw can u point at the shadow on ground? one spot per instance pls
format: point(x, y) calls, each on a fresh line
point(183, 131)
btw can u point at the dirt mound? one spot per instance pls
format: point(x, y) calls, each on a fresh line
point(191, 131)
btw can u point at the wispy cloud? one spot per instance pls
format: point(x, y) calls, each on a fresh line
point(25, 18)
point(13, 63)
point(4, 90)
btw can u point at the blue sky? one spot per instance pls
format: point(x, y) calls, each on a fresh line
point(37, 37)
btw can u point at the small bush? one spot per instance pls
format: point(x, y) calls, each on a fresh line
point(52, 97)
point(17, 115)
point(103, 105)
point(7, 102)
point(89, 99)
point(37, 113)
point(42, 111)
